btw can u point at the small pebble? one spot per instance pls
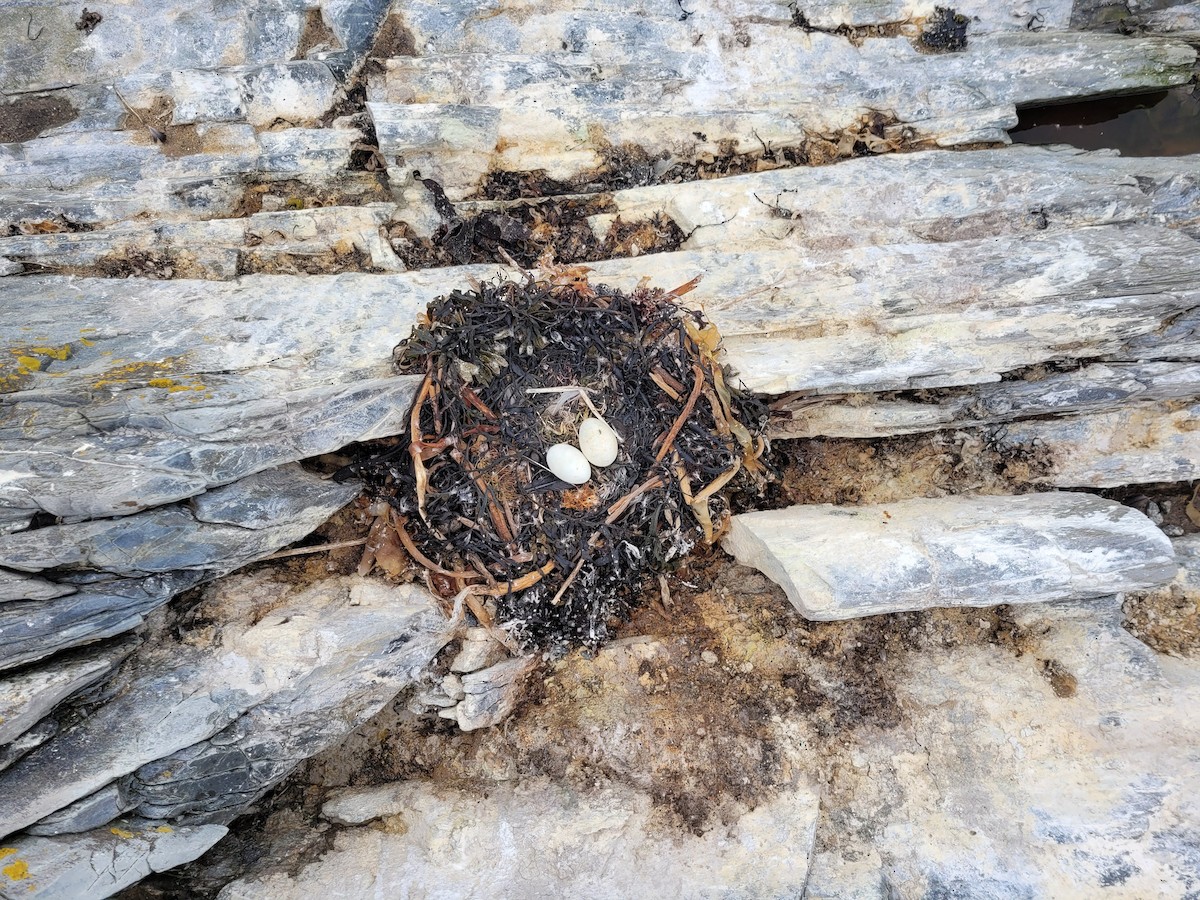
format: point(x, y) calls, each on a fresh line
point(1153, 513)
point(1173, 530)
point(709, 657)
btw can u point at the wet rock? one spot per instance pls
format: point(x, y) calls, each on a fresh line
point(568, 841)
point(27, 696)
point(98, 863)
point(838, 563)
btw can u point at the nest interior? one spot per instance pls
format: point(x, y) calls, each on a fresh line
point(512, 368)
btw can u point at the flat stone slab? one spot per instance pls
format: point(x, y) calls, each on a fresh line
point(846, 562)
point(98, 863)
point(556, 91)
point(561, 843)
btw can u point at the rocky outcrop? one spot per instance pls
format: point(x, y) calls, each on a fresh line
point(838, 563)
point(209, 731)
point(204, 219)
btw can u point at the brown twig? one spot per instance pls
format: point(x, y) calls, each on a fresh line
point(557, 599)
point(528, 580)
point(418, 556)
point(415, 445)
point(697, 386)
point(617, 509)
point(320, 548)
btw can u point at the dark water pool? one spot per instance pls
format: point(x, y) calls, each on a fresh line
point(1165, 123)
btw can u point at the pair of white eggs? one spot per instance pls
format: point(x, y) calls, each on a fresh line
point(597, 447)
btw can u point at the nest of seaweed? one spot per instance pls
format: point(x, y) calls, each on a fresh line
point(512, 368)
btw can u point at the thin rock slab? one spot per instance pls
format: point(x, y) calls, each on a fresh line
point(607, 842)
point(1136, 444)
point(98, 863)
point(221, 530)
point(1093, 388)
point(492, 693)
point(29, 695)
point(101, 608)
point(847, 562)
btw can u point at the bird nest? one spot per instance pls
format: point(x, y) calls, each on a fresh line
point(513, 368)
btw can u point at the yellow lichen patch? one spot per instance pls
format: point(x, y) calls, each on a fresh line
point(59, 353)
point(143, 374)
point(30, 363)
point(17, 870)
point(7, 851)
point(121, 832)
point(172, 386)
point(164, 829)
point(87, 343)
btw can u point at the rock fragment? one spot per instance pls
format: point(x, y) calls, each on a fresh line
point(27, 696)
point(845, 562)
point(273, 690)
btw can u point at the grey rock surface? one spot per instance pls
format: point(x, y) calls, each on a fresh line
point(35, 629)
point(398, 630)
point(98, 863)
point(19, 586)
point(486, 94)
point(193, 385)
point(838, 563)
point(86, 813)
point(1099, 387)
point(222, 530)
point(566, 843)
point(285, 241)
point(272, 690)
point(1136, 444)
point(28, 695)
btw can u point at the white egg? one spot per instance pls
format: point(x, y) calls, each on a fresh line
point(598, 442)
point(568, 464)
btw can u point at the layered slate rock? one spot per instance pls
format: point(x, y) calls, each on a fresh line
point(27, 696)
point(216, 779)
point(568, 843)
point(271, 691)
point(98, 863)
point(564, 91)
point(845, 562)
point(121, 569)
